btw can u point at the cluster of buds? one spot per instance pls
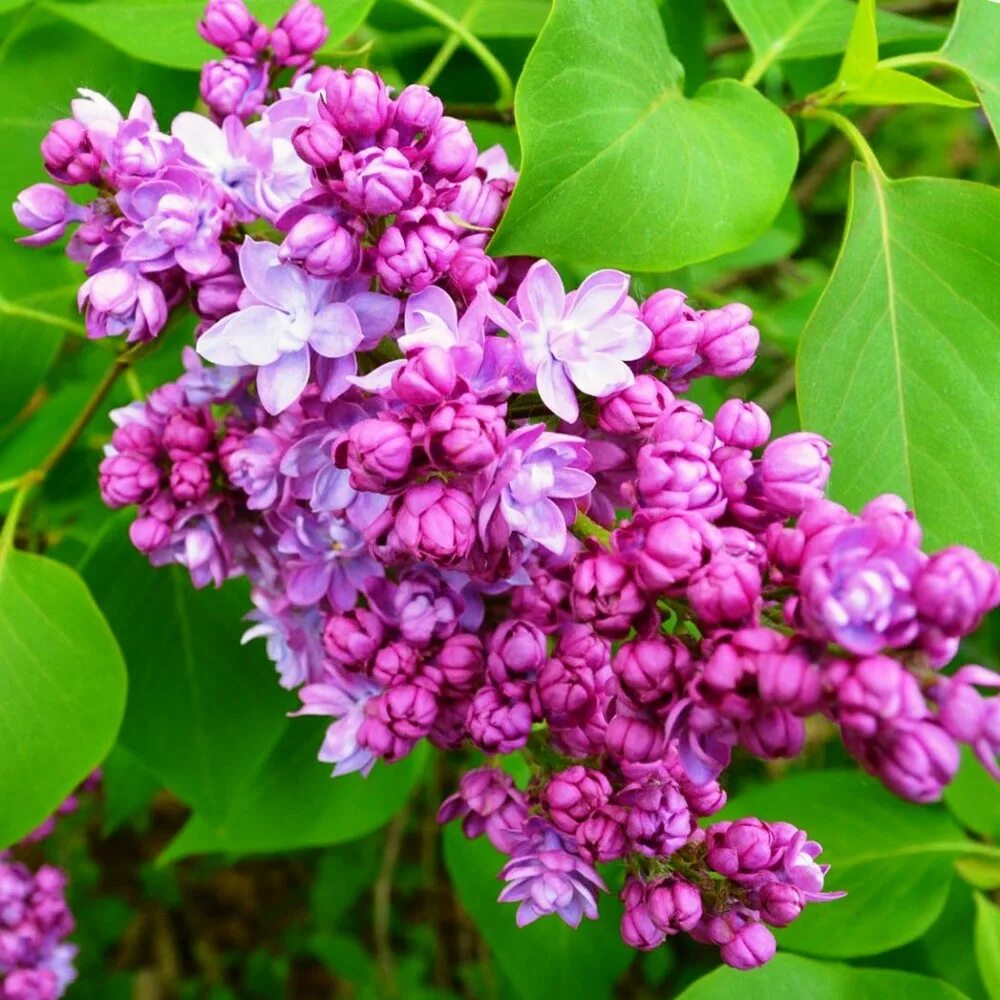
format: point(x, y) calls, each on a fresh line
point(474, 509)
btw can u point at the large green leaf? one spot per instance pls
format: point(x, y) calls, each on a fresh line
point(972, 46)
point(788, 977)
point(973, 798)
point(203, 712)
point(987, 941)
point(164, 31)
point(546, 960)
point(893, 859)
point(62, 688)
point(899, 363)
point(293, 802)
point(619, 167)
point(804, 29)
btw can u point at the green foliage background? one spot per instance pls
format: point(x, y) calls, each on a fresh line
point(723, 151)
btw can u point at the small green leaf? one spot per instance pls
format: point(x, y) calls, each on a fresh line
point(890, 86)
point(788, 977)
point(203, 711)
point(165, 31)
point(972, 797)
point(902, 349)
point(62, 688)
point(643, 178)
point(972, 47)
point(979, 871)
point(861, 55)
point(987, 940)
point(888, 855)
point(546, 960)
point(293, 802)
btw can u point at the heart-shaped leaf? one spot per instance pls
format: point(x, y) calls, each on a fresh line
point(899, 365)
point(619, 167)
point(972, 47)
point(62, 688)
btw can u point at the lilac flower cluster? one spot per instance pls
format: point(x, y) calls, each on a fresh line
point(473, 508)
point(36, 963)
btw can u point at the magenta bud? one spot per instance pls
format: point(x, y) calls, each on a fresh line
point(794, 471)
point(128, 479)
point(728, 344)
point(676, 330)
point(635, 409)
point(318, 143)
point(752, 945)
point(229, 26)
point(779, 903)
point(298, 34)
point(232, 87)
point(461, 662)
point(190, 479)
point(322, 246)
point(357, 103)
point(517, 650)
point(68, 155)
point(47, 210)
point(572, 795)
point(435, 522)
point(417, 112)
point(379, 182)
point(377, 452)
point(742, 424)
point(427, 378)
point(352, 639)
point(148, 533)
point(453, 151)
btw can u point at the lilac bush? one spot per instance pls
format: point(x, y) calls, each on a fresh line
point(474, 507)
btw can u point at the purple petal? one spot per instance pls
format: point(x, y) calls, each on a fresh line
point(248, 337)
point(601, 293)
point(541, 296)
point(600, 376)
point(336, 331)
point(281, 383)
point(556, 391)
point(376, 313)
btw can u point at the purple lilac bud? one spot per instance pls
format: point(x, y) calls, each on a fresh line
point(743, 847)
point(68, 155)
point(634, 410)
point(434, 522)
point(416, 250)
point(298, 34)
point(779, 903)
point(546, 875)
point(319, 144)
point(728, 343)
point(396, 719)
point(352, 639)
point(500, 718)
point(659, 819)
point(567, 696)
point(321, 246)
point(47, 210)
point(190, 480)
point(426, 379)
point(969, 717)
point(377, 452)
point(773, 732)
point(725, 591)
point(356, 103)
point(118, 300)
point(517, 650)
point(794, 471)
point(395, 663)
point(742, 425)
point(676, 333)
point(232, 87)
point(488, 802)
point(572, 795)
point(229, 26)
point(461, 662)
point(679, 477)
point(637, 927)
point(653, 670)
point(127, 479)
point(604, 595)
point(750, 947)
point(684, 422)
point(601, 836)
point(417, 113)
point(636, 737)
point(955, 589)
point(379, 182)
point(453, 150)
point(665, 549)
point(465, 436)
point(674, 905)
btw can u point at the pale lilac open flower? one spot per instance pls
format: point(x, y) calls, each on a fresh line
point(535, 484)
point(291, 313)
point(580, 339)
point(546, 875)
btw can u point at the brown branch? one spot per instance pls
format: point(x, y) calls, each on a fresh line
point(482, 112)
point(778, 391)
point(382, 904)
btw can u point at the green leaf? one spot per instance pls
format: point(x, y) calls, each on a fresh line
point(973, 799)
point(891, 857)
point(890, 86)
point(619, 167)
point(899, 365)
point(862, 47)
point(546, 960)
point(987, 940)
point(980, 872)
point(165, 31)
point(788, 977)
point(128, 788)
point(293, 802)
point(804, 29)
point(203, 712)
point(972, 47)
point(62, 688)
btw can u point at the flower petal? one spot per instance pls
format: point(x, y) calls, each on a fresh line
point(281, 383)
point(557, 392)
point(621, 336)
point(336, 331)
point(541, 296)
point(600, 294)
point(248, 337)
point(600, 376)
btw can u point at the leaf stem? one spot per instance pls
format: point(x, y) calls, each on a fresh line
point(8, 308)
point(852, 133)
point(25, 485)
point(447, 49)
point(496, 69)
point(585, 527)
point(915, 59)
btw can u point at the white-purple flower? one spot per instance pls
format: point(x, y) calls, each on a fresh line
point(535, 484)
point(286, 315)
point(580, 339)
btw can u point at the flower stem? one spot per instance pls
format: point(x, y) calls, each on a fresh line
point(852, 133)
point(584, 527)
point(496, 69)
point(447, 49)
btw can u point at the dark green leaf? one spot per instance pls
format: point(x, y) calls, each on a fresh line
point(891, 857)
point(973, 798)
point(128, 787)
point(546, 960)
point(899, 365)
point(203, 712)
point(620, 168)
point(293, 802)
point(788, 977)
point(62, 688)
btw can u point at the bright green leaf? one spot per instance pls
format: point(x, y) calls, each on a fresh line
point(165, 31)
point(804, 29)
point(987, 940)
point(888, 855)
point(619, 168)
point(980, 871)
point(293, 802)
point(62, 688)
point(862, 47)
point(973, 798)
point(788, 977)
point(890, 86)
point(546, 960)
point(902, 350)
point(203, 711)
point(973, 47)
